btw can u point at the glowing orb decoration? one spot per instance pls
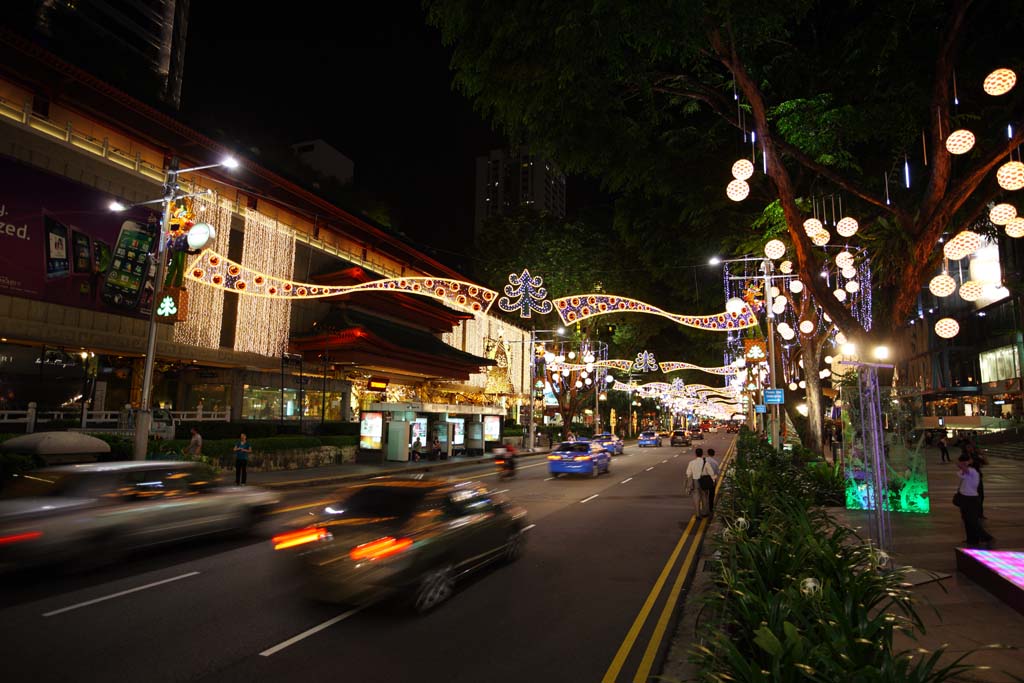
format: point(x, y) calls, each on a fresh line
point(942, 285)
point(803, 384)
point(960, 141)
point(796, 286)
point(947, 328)
point(780, 300)
point(847, 227)
point(971, 290)
point(199, 235)
point(962, 245)
point(852, 286)
point(775, 249)
point(820, 239)
point(779, 309)
point(786, 267)
point(812, 226)
point(573, 309)
point(849, 273)
point(742, 170)
point(735, 305)
point(1015, 227)
point(785, 331)
point(826, 317)
point(840, 338)
point(776, 292)
point(999, 82)
point(807, 326)
point(1001, 214)
point(792, 386)
point(737, 190)
point(1010, 175)
point(844, 259)
point(840, 294)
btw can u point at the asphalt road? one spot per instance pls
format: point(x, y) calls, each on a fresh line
point(587, 602)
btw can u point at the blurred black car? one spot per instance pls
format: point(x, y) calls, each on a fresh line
point(680, 438)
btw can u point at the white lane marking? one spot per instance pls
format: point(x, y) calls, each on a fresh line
point(675, 456)
point(590, 498)
point(626, 481)
point(664, 461)
point(306, 634)
point(649, 469)
point(550, 479)
point(528, 527)
point(117, 595)
point(502, 491)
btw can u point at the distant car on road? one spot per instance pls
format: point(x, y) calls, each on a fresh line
point(611, 442)
point(732, 428)
point(649, 439)
point(579, 457)
point(696, 433)
point(402, 536)
point(679, 438)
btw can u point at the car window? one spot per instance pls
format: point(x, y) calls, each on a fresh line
point(379, 501)
point(647, 435)
point(36, 484)
point(464, 502)
point(164, 482)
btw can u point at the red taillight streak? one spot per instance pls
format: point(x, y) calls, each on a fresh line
point(18, 538)
point(300, 537)
point(382, 547)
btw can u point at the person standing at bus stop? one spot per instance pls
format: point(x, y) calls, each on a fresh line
point(242, 450)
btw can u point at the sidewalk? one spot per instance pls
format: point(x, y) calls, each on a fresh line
point(955, 610)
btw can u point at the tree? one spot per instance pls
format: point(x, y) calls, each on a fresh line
point(839, 94)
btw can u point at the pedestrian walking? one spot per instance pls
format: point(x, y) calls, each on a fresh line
point(967, 500)
point(195, 444)
point(943, 449)
point(696, 471)
point(416, 446)
point(978, 461)
point(435, 449)
point(242, 450)
point(716, 468)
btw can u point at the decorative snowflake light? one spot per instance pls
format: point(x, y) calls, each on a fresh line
point(645, 362)
point(526, 294)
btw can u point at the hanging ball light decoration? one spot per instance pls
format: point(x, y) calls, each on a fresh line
point(960, 141)
point(775, 249)
point(849, 272)
point(807, 326)
point(742, 170)
point(737, 190)
point(962, 245)
point(852, 286)
point(735, 305)
point(844, 259)
point(821, 238)
point(775, 292)
point(796, 286)
point(840, 338)
point(792, 386)
point(780, 300)
point(847, 227)
point(942, 285)
point(947, 328)
point(812, 226)
point(1001, 214)
point(1010, 175)
point(840, 294)
point(999, 82)
point(971, 290)
point(1015, 227)
point(779, 309)
point(786, 267)
point(803, 384)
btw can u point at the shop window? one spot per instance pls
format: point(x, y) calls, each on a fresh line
point(998, 364)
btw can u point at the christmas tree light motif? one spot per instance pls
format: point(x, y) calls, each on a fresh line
point(167, 307)
point(677, 384)
point(525, 294)
point(645, 362)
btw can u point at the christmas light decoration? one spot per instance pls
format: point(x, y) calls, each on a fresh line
point(947, 328)
point(852, 286)
point(840, 338)
point(1010, 175)
point(971, 290)
point(268, 250)
point(962, 245)
point(807, 326)
point(821, 238)
point(526, 294)
point(847, 227)
point(742, 170)
point(673, 366)
point(792, 386)
point(999, 82)
point(202, 327)
point(942, 285)
point(576, 308)
point(1001, 214)
point(776, 292)
point(796, 286)
point(645, 362)
point(840, 294)
point(849, 273)
point(786, 267)
point(960, 142)
point(812, 226)
point(844, 259)
point(737, 190)
point(779, 308)
point(775, 249)
point(1015, 227)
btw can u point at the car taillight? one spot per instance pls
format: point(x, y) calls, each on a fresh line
point(382, 547)
point(18, 538)
point(554, 457)
point(581, 457)
point(300, 537)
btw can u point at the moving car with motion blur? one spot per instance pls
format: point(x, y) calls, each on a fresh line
point(679, 438)
point(93, 514)
point(610, 442)
point(732, 428)
point(579, 457)
point(649, 439)
point(404, 536)
point(696, 433)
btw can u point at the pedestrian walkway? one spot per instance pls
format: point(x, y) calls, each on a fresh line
point(955, 610)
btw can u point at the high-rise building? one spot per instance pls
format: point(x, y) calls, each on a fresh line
point(507, 180)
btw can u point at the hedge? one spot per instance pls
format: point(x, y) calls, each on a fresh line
point(223, 449)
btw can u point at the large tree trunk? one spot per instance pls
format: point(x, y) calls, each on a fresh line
point(811, 354)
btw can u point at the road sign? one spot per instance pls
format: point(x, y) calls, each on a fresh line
point(760, 408)
point(774, 396)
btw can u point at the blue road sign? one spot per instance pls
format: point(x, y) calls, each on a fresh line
point(759, 408)
point(774, 396)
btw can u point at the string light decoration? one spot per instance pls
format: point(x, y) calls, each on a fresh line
point(206, 304)
point(742, 170)
point(942, 285)
point(821, 238)
point(673, 366)
point(786, 267)
point(615, 364)
point(971, 290)
point(947, 328)
point(775, 249)
point(526, 294)
point(263, 324)
point(999, 82)
point(1001, 214)
point(645, 362)
point(737, 190)
point(847, 227)
point(960, 142)
point(1010, 175)
point(573, 309)
point(962, 245)
point(1015, 227)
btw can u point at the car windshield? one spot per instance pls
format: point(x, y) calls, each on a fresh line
point(678, 432)
point(379, 501)
point(40, 485)
point(573, 447)
point(647, 435)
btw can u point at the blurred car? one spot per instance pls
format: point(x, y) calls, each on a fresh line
point(696, 433)
point(96, 512)
point(611, 443)
point(679, 438)
point(402, 535)
point(649, 439)
point(732, 428)
point(576, 457)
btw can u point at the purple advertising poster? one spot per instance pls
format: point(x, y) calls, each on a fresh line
point(60, 243)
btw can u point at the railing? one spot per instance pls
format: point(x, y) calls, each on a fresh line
point(98, 417)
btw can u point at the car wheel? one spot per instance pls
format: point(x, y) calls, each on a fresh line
point(513, 546)
point(436, 586)
point(556, 475)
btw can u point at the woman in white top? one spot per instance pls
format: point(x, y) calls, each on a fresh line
point(970, 503)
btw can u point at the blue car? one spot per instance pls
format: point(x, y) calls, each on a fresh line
point(611, 443)
point(579, 457)
point(649, 439)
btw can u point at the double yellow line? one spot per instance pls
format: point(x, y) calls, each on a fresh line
point(658, 635)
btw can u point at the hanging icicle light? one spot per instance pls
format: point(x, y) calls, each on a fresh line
point(960, 142)
point(947, 328)
point(786, 267)
point(812, 226)
point(1001, 214)
point(847, 227)
point(1010, 175)
point(1015, 227)
point(971, 290)
point(942, 285)
point(807, 326)
point(999, 82)
point(821, 238)
point(844, 259)
point(849, 272)
point(775, 249)
point(963, 244)
point(852, 286)
point(796, 286)
point(737, 190)
point(742, 170)
point(840, 294)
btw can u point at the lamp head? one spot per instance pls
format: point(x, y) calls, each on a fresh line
point(116, 205)
point(229, 162)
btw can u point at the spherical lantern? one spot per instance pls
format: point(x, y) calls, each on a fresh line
point(199, 235)
point(579, 384)
point(849, 272)
point(786, 267)
point(779, 309)
point(780, 300)
point(1001, 214)
point(737, 190)
point(852, 286)
point(803, 384)
point(812, 226)
point(1015, 227)
point(999, 82)
point(825, 373)
point(962, 245)
point(844, 259)
point(840, 338)
point(807, 326)
point(960, 141)
point(796, 286)
point(947, 328)
point(735, 305)
point(847, 227)
point(971, 290)
point(775, 249)
point(840, 294)
point(776, 293)
point(742, 170)
point(942, 285)
point(1010, 175)
point(792, 386)
point(821, 238)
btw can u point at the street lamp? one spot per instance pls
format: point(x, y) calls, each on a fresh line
point(172, 193)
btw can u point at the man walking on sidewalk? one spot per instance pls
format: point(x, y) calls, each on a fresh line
point(697, 468)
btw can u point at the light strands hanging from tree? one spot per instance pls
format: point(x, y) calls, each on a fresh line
point(526, 294)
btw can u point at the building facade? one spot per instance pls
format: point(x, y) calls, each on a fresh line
point(507, 180)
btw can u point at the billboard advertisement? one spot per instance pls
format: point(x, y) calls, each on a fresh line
point(458, 430)
point(371, 431)
point(61, 244)
point(419, 431)
point(492, 428)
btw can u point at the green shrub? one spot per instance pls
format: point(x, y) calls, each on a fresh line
point(340, 441)
point(121, 448)
point(338, 429)
point(229, 430)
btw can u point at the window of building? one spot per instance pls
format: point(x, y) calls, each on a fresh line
point(264, 403)
point(999, 364)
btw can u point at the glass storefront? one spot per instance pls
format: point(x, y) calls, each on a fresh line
point(264, 403)
point(999, 364)
point(313, 403)
point(214, 397)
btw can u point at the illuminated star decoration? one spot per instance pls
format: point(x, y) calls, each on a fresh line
point(526, 294)
point(210, 268)
point(645, 362)
point(573, 309)
point(667, 366)
point(677, 383)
